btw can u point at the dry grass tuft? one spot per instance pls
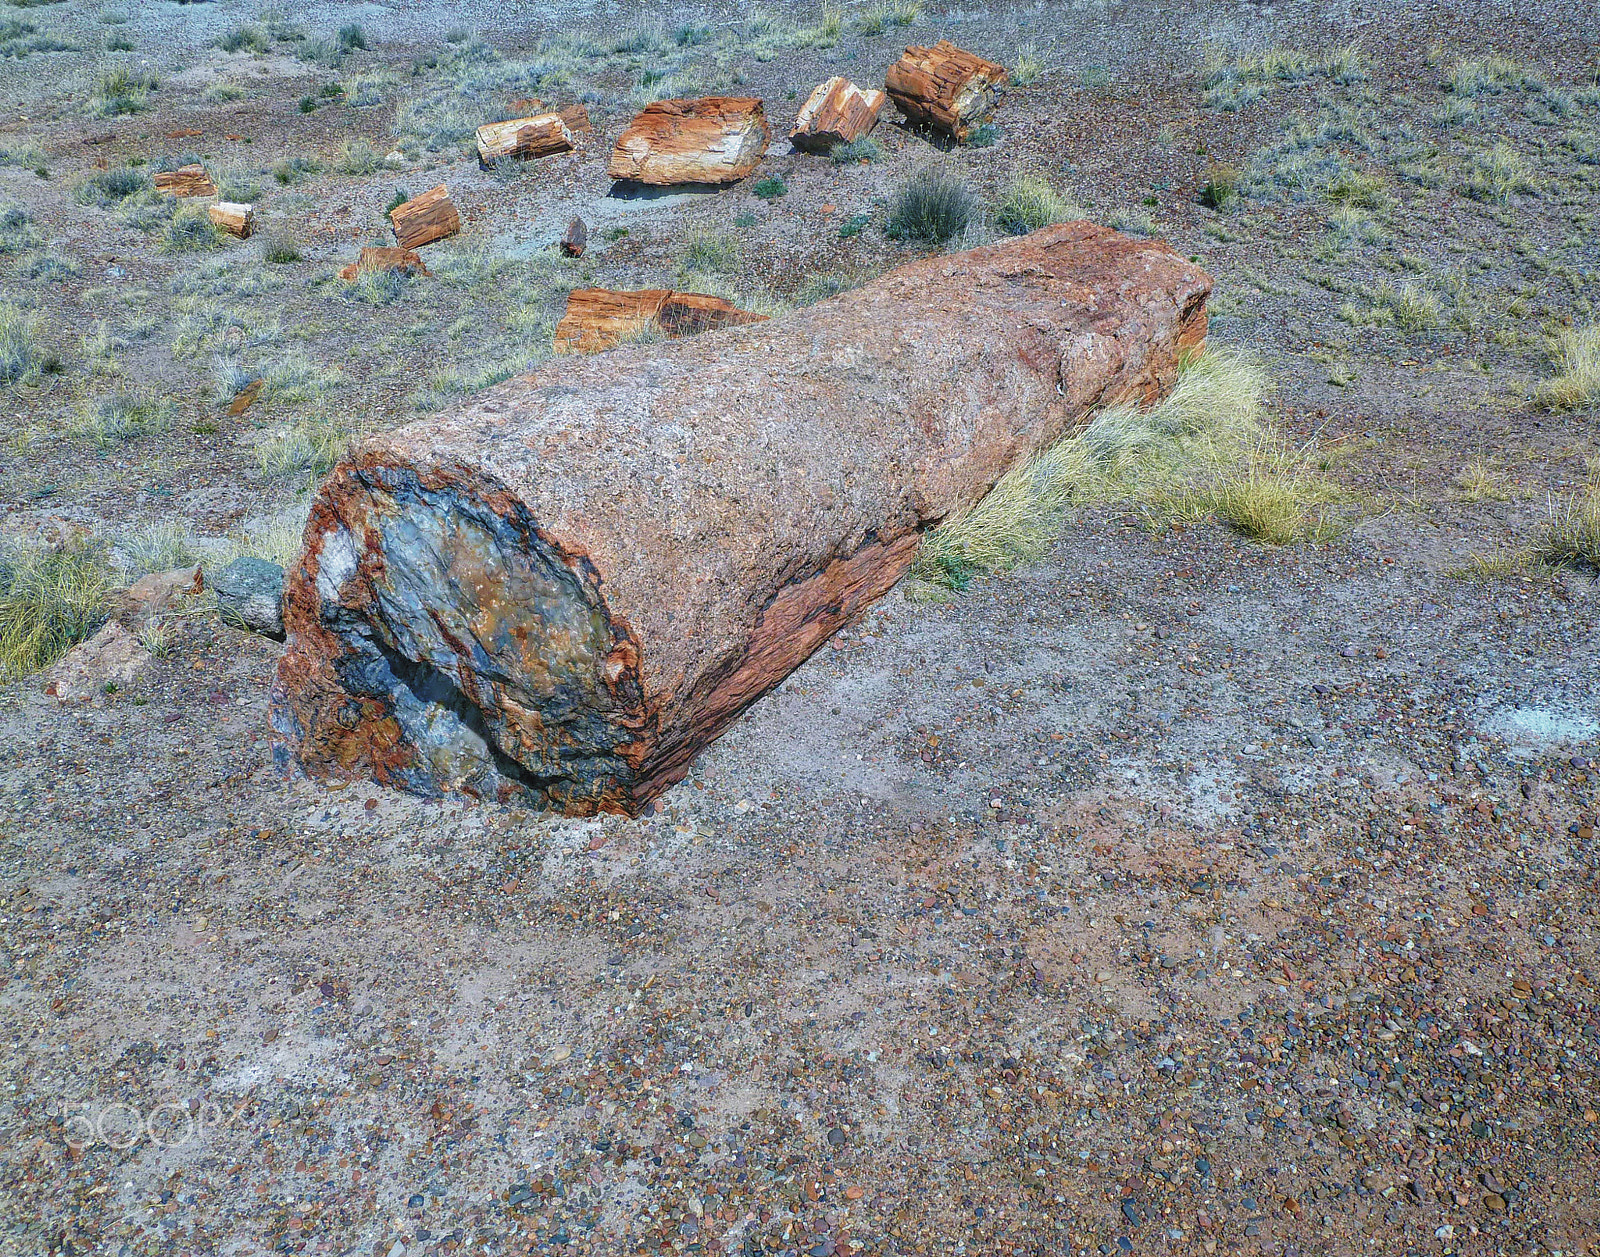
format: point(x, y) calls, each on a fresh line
point(1030, 203)
point(1571, 536)
point(1204, 450)
point(50, 600)
point(1576, 355)
point(1478, 482)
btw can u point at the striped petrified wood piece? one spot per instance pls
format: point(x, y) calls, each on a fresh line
point(837, 112)
point(944, 87)
point(424, 219)
point(716, 139)
point(600, 318)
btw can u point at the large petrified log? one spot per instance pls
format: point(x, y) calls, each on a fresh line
point(944, 87)
point(601, 318)
point(564, 588)
point(836, 112)
point(524, 138)
point(424, 219)
point(717, 139)
point(185, 181)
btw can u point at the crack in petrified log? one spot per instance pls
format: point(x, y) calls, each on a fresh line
point(562, 590)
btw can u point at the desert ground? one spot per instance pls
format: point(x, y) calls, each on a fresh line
point(1215, 874)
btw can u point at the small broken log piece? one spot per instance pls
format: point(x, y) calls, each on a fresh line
point(576, 239)
point(523, 138)
point(383, 258)
point(185, 181)
point(944, 87)
point(717, 139)
point(837, 112)
point(562, 589)
point(424, 219)
point(234, 218)
point(599, 318)
point(577, 119)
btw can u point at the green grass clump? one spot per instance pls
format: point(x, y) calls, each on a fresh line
point(1221, 188)
point(1571, 535)
point(711, 251)
point(21, 358)
point(932, 206)
point(105, 188)
point(1268, 499)
point(358, 157)
point(1576, 384)
point(122, 90)
point(190, 230)
point(17, 232)
point(244, 39)
point(1496, 174)
point(352, 37)
point(223, 93)
point(1027, 66)
point(1406, 306)
point(1030, 203)
point(279, 248)
point(50, 600)
point(311, 445)
point(770, 188)
point(1485, 76)
point(124, 415)
point(855, 152)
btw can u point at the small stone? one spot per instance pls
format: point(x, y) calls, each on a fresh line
point(250, 595)
point(1349, 652)
point(836, 1138)
point(1495, 1202)
point(576, 240)
point(110, 659)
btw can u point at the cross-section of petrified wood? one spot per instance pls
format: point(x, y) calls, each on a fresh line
point(424, 219)
point(944, 87)
point(234, 218)
point(717, 139)
point(599, 318)
point(524, 138)
point(185, 181)
point(837, 112)
point(382, 258)
point(564, 588)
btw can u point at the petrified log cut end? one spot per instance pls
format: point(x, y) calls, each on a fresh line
point(944, 87)
point(837, 112)
point(716, 139)
point(444, 646)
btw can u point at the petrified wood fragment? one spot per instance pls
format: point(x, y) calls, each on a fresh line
point(233, 217)
point(564, 588)
point(600, 318)
point(383, 258)
point(837, 112)
point(185, 181)
point(944, 87)
point(523, 138)
point(424, 219)
point(717, 139)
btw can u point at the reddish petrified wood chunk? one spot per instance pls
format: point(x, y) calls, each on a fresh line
point(563, 588)
point(837, 112)
point(185, 181)
point(599, 318)
point(717, 139)
point(383, 258)
point(424, 219)
point(944, 87)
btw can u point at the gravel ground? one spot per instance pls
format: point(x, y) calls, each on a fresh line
point(1171, 894)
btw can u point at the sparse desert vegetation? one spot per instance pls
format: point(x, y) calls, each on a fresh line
point(1195, 853)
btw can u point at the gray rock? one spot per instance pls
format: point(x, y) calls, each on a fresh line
point(250, 595)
